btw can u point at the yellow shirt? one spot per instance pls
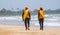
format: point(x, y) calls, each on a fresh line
point(42, 14)
point(26, 15)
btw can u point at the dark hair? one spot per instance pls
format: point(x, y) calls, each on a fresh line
point(26, 8)
point(41, 8)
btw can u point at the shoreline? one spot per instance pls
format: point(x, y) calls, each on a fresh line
point(31, 26)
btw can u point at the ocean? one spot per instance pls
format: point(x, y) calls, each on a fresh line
point(51, 20)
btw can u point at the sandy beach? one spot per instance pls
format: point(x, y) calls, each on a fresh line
point(20, 30)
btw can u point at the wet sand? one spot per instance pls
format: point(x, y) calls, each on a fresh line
point(20, 30)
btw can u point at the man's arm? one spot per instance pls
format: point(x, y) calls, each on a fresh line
point(29, 15)
point(38, 14)
point(22, 14)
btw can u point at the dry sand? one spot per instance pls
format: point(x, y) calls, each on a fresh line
point(20, 30)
